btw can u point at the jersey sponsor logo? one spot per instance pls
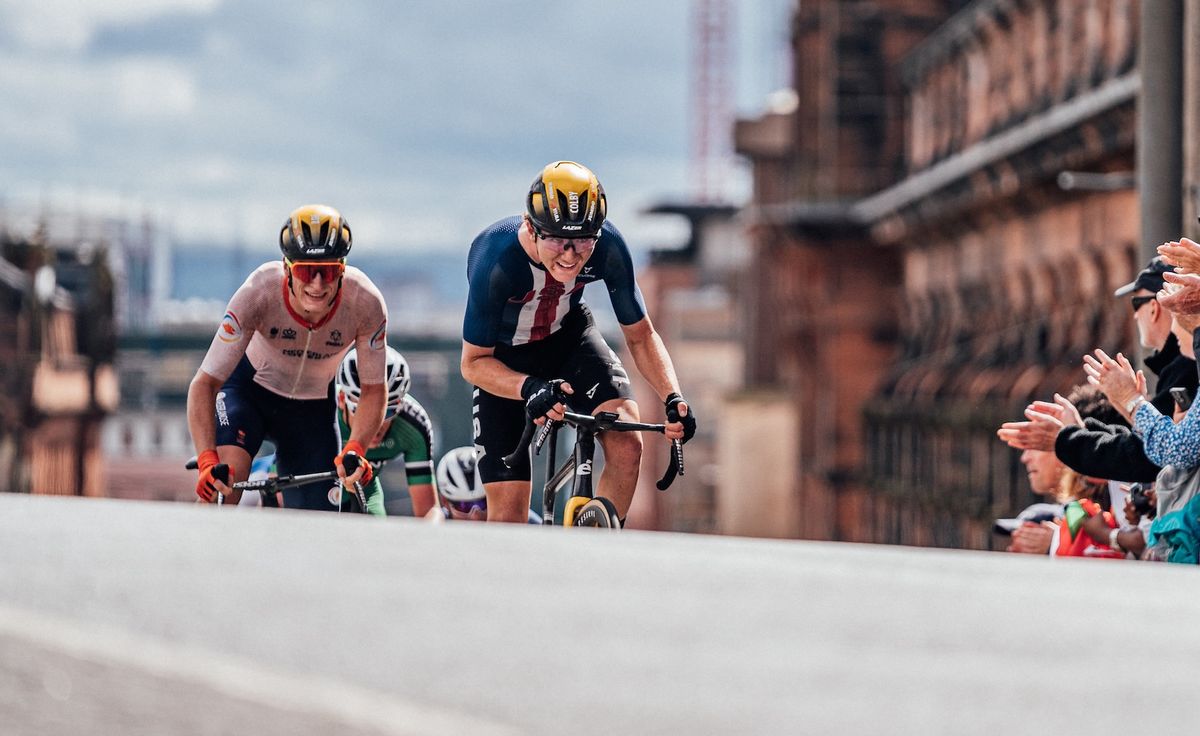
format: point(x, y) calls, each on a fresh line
point(587, 269)
point(335, 339)
point(274, 332)
point(222, 414)
point(230, 330)
point(310, 354)
point(379, 339)
point(591, 392)
point(289, 333)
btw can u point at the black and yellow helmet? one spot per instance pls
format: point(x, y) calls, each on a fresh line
point(567, 201)
point(315, 232)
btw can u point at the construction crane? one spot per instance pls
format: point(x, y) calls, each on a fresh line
point(711, 95)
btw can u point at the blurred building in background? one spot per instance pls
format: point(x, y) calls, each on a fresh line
point(57, 381)
point(943, 205)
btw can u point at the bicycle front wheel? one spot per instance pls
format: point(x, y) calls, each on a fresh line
point(598, 512)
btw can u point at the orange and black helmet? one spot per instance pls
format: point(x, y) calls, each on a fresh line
point(315, 232)
point(567, 201)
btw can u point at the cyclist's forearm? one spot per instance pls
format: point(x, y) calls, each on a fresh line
point(653, 362)
point(492, 376)
point(201, 403)
point(423, 498)
point(369, 416)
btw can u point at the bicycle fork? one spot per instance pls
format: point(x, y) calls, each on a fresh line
point(581, 492)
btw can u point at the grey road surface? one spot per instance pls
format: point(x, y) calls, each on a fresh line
point(125, 617)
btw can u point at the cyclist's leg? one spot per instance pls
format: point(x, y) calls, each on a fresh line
point(306, 441)
point(622, 458)
point(239, 425)
point(498, 423)
point(601, 384)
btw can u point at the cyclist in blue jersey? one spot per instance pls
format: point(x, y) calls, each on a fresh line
point(532, 350)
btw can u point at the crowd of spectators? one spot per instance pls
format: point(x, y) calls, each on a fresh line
point(1118, 465)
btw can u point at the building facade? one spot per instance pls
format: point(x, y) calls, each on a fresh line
point(939, 220)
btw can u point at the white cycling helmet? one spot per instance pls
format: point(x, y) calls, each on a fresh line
point(457, 481)
point(396, 378)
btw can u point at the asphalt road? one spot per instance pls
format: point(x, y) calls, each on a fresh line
point(124, 617)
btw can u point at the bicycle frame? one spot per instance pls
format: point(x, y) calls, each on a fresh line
point(579, 466)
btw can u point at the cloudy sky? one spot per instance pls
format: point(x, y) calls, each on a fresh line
point(422, 121)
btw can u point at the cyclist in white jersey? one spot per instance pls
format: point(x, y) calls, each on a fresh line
point(270, 368)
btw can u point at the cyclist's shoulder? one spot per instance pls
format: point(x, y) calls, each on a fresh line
point(356, 281)
point(411, 412)
point(496, 245)
point(501, 231)
point(266, 276)
point(612, 241)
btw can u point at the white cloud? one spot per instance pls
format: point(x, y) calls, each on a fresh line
point(68, 25)
point(423, 122)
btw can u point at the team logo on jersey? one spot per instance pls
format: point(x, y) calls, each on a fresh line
point(274, 332)
point(335, 339)
point(289, 333)
point(230, 330)
point(222, 412)
point(379, 339)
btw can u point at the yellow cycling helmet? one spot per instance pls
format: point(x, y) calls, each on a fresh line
point(567, 201)
point(315, 232)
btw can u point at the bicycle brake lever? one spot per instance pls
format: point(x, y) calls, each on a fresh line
point(674, 468)
point(542, 435)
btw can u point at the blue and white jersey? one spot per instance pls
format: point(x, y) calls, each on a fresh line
point(514, 301)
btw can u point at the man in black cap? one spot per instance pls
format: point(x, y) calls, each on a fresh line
point(1153, 322)
point(1154, 332)
point(1112, 451)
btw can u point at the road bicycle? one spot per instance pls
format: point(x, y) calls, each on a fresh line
point(582, 507)
point(268, 487)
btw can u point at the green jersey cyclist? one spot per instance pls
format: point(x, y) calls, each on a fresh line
point(406, 431)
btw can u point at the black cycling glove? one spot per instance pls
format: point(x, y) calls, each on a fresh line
point(541, 396)
point(689, 422)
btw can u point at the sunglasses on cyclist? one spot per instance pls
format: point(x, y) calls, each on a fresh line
point(466, 507)
point(1138, 301)
point(582, 246)
point(307, 271)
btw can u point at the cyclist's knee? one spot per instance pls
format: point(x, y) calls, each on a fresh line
point(508, 501)
point(623, 448)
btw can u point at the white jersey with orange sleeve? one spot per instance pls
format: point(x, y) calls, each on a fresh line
point(293, 357)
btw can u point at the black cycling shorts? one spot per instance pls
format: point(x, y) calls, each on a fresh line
point(577, 354)
point(304, 431)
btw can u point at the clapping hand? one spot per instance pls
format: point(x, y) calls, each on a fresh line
point(1046, 420)
point(1184, 254)
point(1115, 378)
